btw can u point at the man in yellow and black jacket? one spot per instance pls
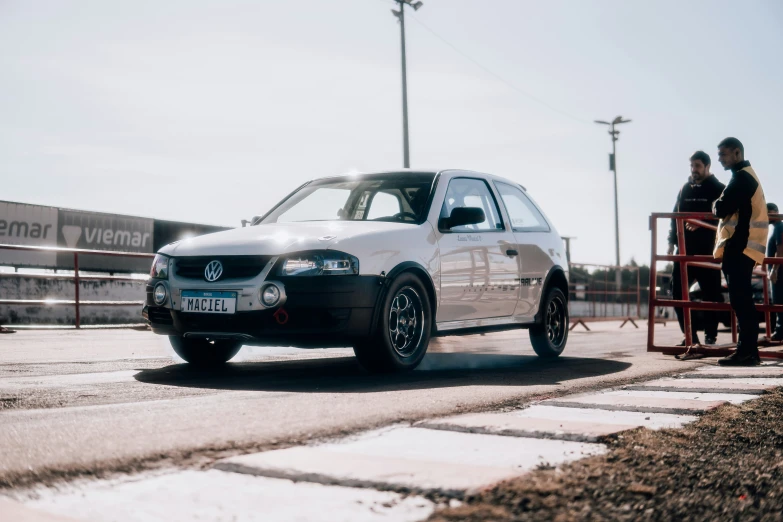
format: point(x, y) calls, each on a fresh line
point(742, 232)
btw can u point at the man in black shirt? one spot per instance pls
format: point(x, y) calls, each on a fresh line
point(775, 249)
point(697, 195)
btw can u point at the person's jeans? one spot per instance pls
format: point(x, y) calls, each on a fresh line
point(709, 282)
point(738, 269)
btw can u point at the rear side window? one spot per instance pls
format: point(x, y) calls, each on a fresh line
point(524, 216)
point(470, 192)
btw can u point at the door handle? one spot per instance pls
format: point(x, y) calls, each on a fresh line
point(511, 252)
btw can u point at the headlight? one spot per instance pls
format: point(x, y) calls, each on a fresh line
point(160, 267)
point(320, 263)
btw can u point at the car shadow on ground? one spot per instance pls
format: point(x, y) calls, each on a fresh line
point(344, 375)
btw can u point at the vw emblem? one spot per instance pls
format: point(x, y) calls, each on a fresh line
point(213, 271)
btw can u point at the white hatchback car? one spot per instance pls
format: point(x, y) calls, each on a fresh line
point(381, 262)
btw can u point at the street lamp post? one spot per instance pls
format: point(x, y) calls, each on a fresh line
point(416, 5)
point(613, 167)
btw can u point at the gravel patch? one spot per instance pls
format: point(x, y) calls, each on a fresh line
point(726, 466)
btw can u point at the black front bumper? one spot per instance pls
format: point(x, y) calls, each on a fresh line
point(319, 312)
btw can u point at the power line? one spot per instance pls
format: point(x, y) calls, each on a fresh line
point(497, 76)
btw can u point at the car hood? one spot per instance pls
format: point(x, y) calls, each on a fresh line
point(279, 238)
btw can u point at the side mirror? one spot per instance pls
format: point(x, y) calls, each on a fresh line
point(462, 216)
point(246, 222)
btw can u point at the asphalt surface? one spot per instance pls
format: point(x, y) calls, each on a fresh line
point(89, 403)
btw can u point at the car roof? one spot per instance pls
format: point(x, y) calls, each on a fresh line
point(424, 173)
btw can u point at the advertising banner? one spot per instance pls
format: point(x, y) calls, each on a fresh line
point(98, 231)
point(33, 225)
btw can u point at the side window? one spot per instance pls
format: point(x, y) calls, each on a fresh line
point(383, 205)
point(469, 192)
point(524, 216)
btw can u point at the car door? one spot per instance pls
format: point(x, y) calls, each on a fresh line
point(479, 269)
point(530, 230)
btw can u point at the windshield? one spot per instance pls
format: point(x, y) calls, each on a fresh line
point(396, 197)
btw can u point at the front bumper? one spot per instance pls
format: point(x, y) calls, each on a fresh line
point(319, 311)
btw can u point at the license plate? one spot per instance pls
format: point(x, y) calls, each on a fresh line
point(208, 302)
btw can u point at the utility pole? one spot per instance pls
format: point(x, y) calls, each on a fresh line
point(613, 167)
point(406, 158)
point(567, 241)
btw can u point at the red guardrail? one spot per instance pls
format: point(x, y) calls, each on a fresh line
point(685, 260)
point(76, 278)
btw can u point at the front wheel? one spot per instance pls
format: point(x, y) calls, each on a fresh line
point(202, 352)
point(403, 332)
point(549, 338)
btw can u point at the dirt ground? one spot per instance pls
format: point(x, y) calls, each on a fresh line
point(726, 466)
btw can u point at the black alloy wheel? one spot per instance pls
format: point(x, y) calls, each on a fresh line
point(400, 339)
point(406, 318)
point(550, 336)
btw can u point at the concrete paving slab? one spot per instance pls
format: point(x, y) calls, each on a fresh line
point(733, 398)
point(649, 401)
point(763, 371)
point(509, 424)
point(65, 381)
point(218, 496)
point(11, 510)
point(413, 459)
point(651, 421)
point(751, 386)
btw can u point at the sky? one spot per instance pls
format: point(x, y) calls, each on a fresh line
point(212, 111)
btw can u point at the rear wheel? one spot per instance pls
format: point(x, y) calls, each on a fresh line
point(403, 332)
point(201, 352)
point(549, 338)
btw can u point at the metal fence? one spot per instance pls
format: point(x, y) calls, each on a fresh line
point(77, 303)
point(595, 296)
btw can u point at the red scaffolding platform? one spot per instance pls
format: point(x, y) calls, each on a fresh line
point(685, 260)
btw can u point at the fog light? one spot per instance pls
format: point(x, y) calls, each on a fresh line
point(159, 295)
point(270, 295)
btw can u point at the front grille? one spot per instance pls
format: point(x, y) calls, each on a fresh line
point(234, 267)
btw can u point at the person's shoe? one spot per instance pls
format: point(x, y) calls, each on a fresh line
point(695, 340)
point(741, 359)
point(777, 336)
point(710, 339)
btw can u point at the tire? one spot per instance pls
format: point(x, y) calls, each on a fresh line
point(549, 338)
point(402, 334)
point(204, 353)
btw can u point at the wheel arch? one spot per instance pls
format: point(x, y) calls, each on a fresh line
point(421, 273)
point(557, 278)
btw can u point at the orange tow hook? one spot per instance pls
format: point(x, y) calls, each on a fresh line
point(281, 316)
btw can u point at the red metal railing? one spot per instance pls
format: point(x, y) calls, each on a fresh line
point(685, 260)
point(77, 303)
point(600, 294)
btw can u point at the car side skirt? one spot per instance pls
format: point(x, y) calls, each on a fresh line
point(474, 326)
